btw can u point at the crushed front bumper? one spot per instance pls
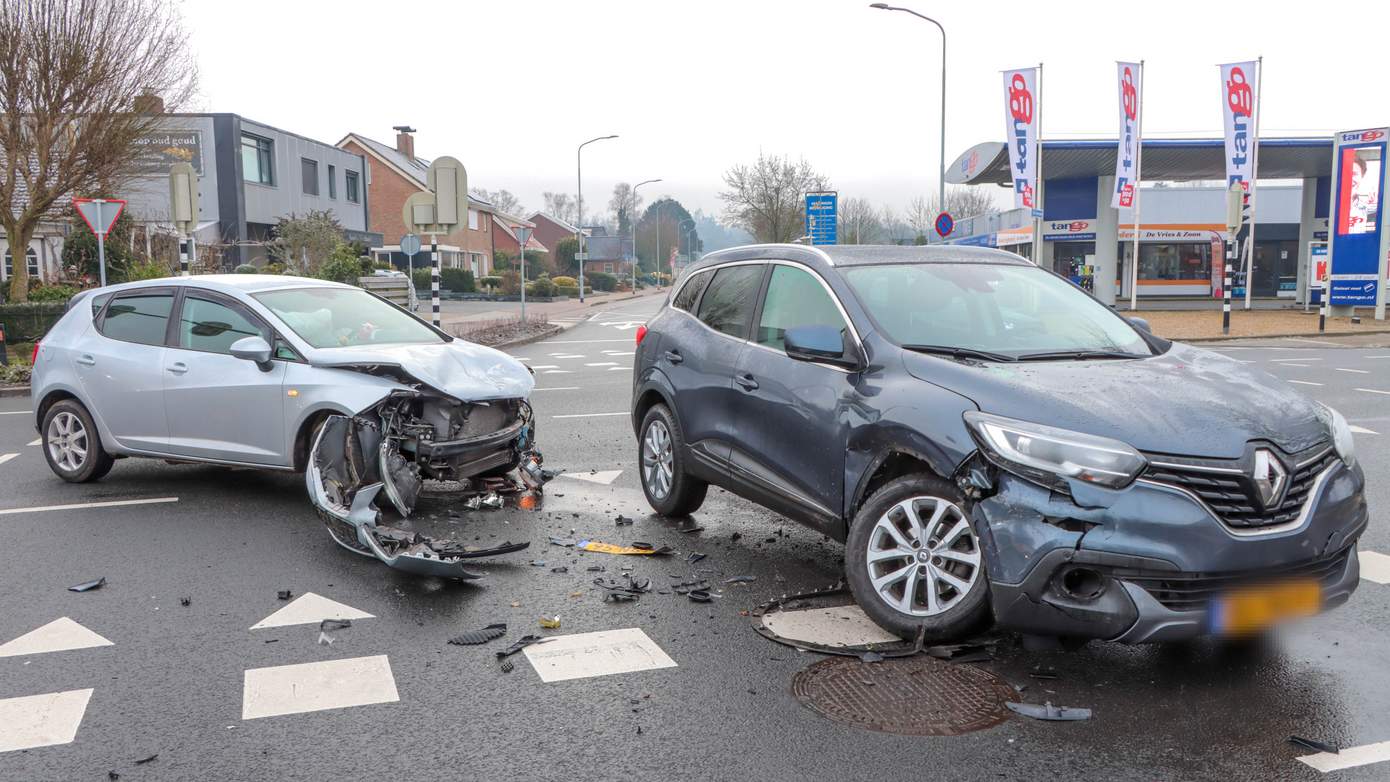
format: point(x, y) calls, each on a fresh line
point(1143, 564)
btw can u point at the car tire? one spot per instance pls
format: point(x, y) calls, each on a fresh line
point(890, 574)
point(71, 444)
point(661, 463)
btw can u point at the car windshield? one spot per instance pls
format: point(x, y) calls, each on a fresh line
point(996, 311)
point(337, 317)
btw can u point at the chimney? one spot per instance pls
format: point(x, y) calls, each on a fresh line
point(405, 143)
point(148, 103)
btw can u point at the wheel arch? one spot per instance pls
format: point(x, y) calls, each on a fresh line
point(299, 454)
point(654, 391)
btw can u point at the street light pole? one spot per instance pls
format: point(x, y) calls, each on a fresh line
point(632, 226)
point(681, 228)
point(579, 199)
point(941, 171)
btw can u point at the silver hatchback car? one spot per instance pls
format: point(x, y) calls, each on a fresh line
point(284, 373)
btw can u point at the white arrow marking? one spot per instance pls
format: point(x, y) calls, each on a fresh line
point(60, 635)
point(308, 609)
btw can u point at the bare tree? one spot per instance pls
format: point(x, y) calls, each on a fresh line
point(967, 201)
point(767, 198)
point(624, 205)
point(920, 217)
point(503, 200)
point(857, 222)
point(305, 243)
point(72, 73)
point(896, 228)
point(561, 206)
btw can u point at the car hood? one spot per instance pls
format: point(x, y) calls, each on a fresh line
point(460, 369)
point(1187, 401)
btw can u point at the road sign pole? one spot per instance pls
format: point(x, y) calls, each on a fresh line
point(183, 256)
point(101, 257)
point(1226, 286)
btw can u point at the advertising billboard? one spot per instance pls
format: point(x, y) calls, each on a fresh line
point(1358, 245)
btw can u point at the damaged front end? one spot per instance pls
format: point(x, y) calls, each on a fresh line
point(383, 455)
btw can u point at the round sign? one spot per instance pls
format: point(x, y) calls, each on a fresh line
point(410, 244)
point(944, 225)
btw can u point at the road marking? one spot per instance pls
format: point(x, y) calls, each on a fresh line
point(330, 684)
point(619, 369)
point(1300, 366)
point(310, 608)
point(602, 364)
point(41, 720)
point(589, 415)
point(1375, 566)
point(1360, 429)
point(521, 358)
point(5, 457)
point(1313, 341)
point(557, 388)
point(1303, 382)
point(1377, 357)
point(1306, 358)
point(1350, 757)
point(582, 341)
point(568, 355)
point(1357, 371)
point(1374, 391)
point(605, 477)
point(557, 372)
point(603, 653)
point(38, 441)
point(619, 353)
point(31, 412)
point(546, 366)
point(60, 635)
point(83, 505)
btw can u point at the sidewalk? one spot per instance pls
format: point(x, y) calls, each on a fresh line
point(1206, 324)
point(464, 311)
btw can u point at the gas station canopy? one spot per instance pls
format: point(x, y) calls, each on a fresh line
point(1170, 160)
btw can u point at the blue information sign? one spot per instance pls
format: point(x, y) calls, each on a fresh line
point(1357, 244)
point(821, 216)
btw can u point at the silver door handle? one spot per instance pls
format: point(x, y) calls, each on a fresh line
point(179, 368)
point(86, 360)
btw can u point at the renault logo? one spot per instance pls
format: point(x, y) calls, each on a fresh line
point(1270, 479)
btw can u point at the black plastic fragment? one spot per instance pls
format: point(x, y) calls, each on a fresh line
point(329, 625)
point(1314, 744)
point(185, 601)
point(694, 557)
point(560, 569)
point(507, 666)
point(621, 520)
point(689, 530)
point(1049, 712)
point(475, 637)
point(521, 643)
point(284, 594)
point(87, 586)
point(143, 761)
point(699, 595)
point(638, 544)
point(617, 591)
point(740, 579)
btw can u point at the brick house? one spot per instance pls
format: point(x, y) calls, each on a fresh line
point(393, 174)
point(504, 238)
point(550, 230)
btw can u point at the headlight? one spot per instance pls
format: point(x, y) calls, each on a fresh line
point(1050, 455)
point(1341, 435)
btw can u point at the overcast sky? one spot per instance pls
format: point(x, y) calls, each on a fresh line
point(510, 87)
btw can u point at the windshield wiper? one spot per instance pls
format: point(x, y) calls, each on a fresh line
point(1077, 355)
point(954, 352)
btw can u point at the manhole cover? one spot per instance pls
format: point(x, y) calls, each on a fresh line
point(912, 696)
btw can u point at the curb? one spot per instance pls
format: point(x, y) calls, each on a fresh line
point(1323, 334)
point(547, 334)
point(7, 391)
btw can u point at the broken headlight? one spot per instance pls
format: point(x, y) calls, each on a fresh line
point(1048, 455)
point(1342, 439)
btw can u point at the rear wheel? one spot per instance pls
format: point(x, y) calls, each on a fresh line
point(914, 561)
point(71, 444)
point(670, 489)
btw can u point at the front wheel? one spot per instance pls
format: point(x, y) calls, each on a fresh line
point(71, 444)
point(670, 489)
point(914, 562)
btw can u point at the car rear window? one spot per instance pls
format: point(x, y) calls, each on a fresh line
point(690, 292)
point(727, 305)
point(141, 318)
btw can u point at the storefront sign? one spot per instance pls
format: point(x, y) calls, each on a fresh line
point(1069, 231)
point(1131, 79)
point(159, 150)
point(1317, 256)
point(1359, 241)
point(1238, 116)
point(1021, 131)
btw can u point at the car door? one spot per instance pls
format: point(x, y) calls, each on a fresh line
point(793, 415)
point(221, 407)
point(701, 353)
point(118, 363)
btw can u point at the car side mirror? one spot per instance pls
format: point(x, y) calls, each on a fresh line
point(823, 344)
point(1141, 323)
point(253, 349)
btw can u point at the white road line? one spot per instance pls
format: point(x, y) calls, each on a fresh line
point(38, 441)
point(41, 720)
point(5, 457)
point(1374, 391)
point(618, 353)
point(310, 608)
point(567, 355)
point(1303, 382)
point(589, 415)
point(619, 369)
point(1281, 360)
point(605, 477)
point(1357, 371)
point(331, 684)
point(1300, 366)
point(1350, 757)
point(1375, 566)
point(83, 505)
point(546, 366)
point(1377, 357)
point(1360, 429)
point(557, 388)
point(1314, 341)
point(557, 372)
point(602, 364)
point(596, 654)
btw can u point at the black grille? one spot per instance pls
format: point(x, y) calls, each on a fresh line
point(1233, 496)
point(1194, 591)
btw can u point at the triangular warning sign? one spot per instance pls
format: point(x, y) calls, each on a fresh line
point(60, 635)
point(310, 608)
point(604, 477)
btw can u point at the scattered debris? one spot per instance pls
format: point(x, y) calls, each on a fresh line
point(637, 544)
point(596, 568)
point(537, 563)
point(871, 657)
point(475, 637)
point(284, 594)
point(143, 761)
point(620, 592)
point(560, 569)
point(686, 587)
point(1049, 712)
point(87, 586)
point(734, 537)
point(694, 557)
point(637, 547)
point(740, 579)
point(551, 622)
point(621, 520)
point(328, 625)
point(185, 601)
point(507, 666)
point(113, 776)
point(521, 643)
point(961, 653)
point(1041, 674)
point(1315, 745)
point(699, 595)
point(688, 530)
point(559, 541)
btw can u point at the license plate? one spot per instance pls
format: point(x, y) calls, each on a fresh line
point(1252, 609)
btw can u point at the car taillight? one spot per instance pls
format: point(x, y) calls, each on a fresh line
point(34, 358)
point(641, 333)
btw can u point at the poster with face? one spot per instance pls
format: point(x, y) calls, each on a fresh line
point(1360, 181)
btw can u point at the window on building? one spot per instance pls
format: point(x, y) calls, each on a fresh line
point(33, 264)
point(472, 219)
point(1178, 261)
point(332, 181)
point(350, 186)
point(309, 172)
point(257, 159)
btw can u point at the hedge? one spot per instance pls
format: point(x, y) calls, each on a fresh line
point(602, 281)
point(26, 322)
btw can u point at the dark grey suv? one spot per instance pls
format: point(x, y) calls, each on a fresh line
point(988, 439)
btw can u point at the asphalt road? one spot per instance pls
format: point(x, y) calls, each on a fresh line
point(174, 679)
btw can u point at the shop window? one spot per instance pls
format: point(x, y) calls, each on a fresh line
point(1178, 261)
point(257, 159)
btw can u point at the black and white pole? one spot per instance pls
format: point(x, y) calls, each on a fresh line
point(434, 279)
point(184, 252)
point(1322, 308)
point(1226, 286)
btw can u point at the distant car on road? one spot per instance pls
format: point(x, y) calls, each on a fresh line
point(988, 439)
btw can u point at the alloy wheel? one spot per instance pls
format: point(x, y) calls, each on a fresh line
point(67, 441)
point(923, 556)
point(658, 460)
